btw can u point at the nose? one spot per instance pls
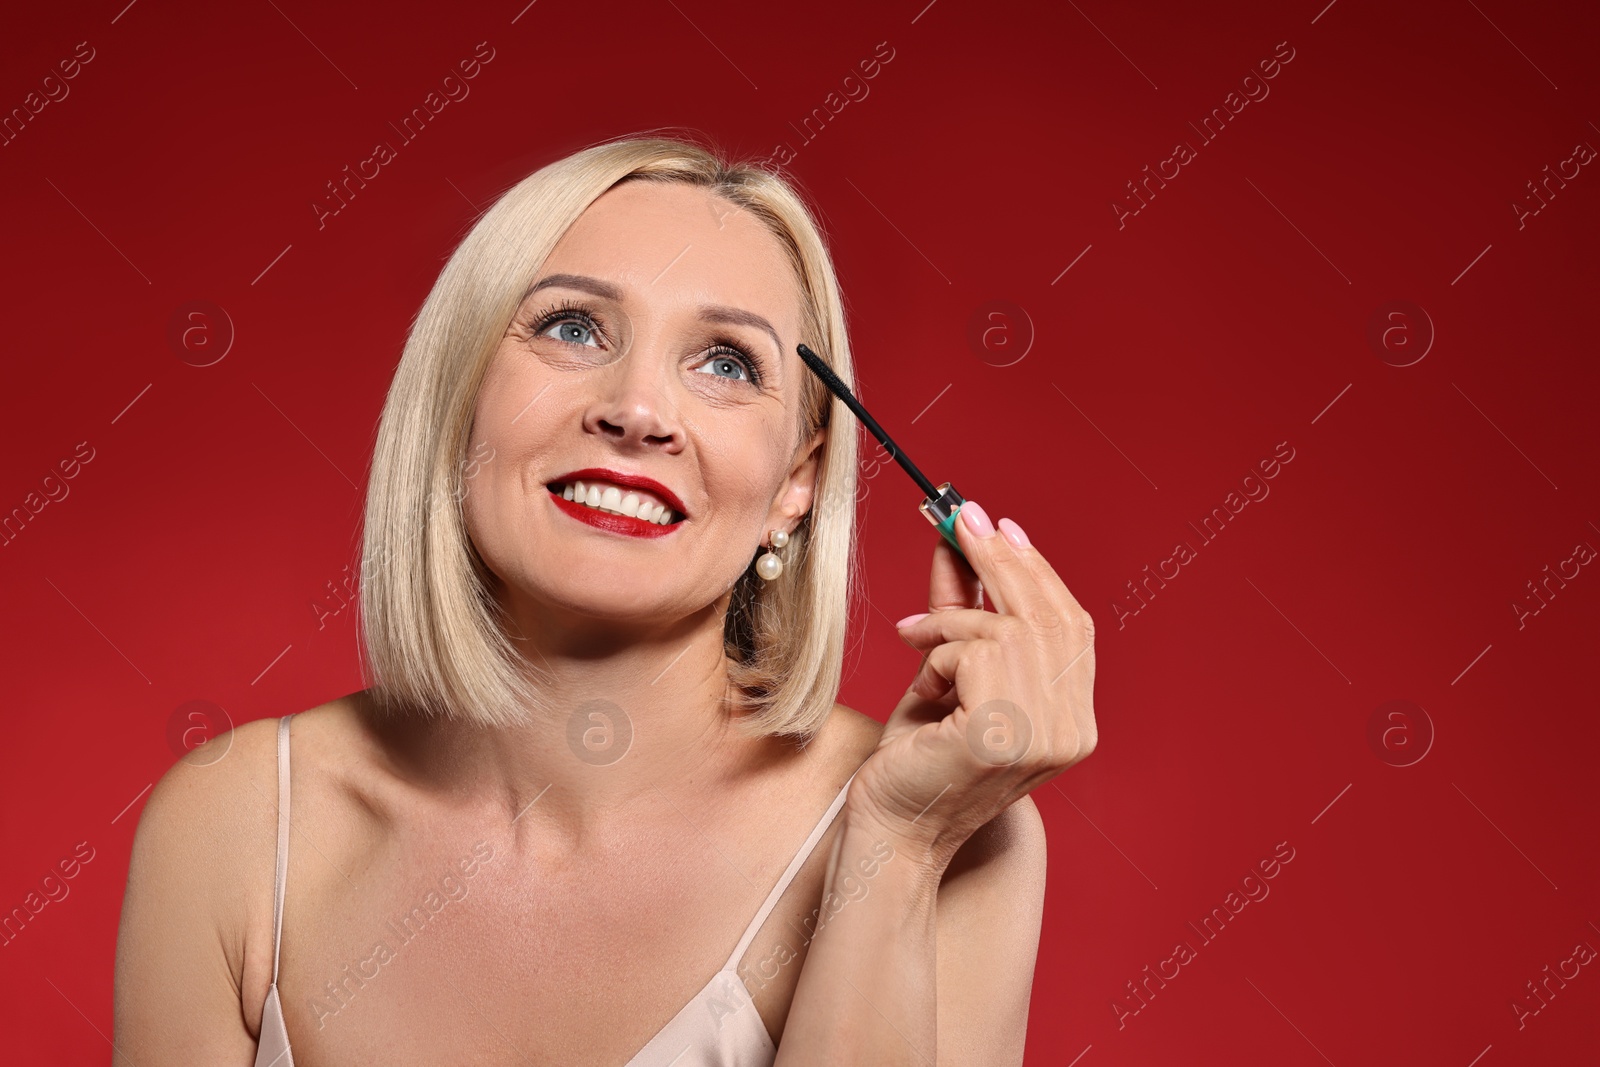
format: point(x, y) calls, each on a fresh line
point(632, 405)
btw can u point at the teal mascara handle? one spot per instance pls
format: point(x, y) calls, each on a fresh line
point(948, 528)
point(941, 510)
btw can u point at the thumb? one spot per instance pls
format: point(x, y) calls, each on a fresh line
point(953, 584)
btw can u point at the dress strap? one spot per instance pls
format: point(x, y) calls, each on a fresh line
point(282, 873)
point(788, 875)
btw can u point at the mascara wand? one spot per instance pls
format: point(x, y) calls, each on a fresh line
point(941, 503)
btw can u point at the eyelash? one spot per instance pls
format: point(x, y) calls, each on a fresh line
point(721, 346)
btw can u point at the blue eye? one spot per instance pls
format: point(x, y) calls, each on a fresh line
point(577, 326)
point(725, 357)
point(574, 323)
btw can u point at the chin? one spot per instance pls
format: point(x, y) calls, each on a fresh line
point(605, 594)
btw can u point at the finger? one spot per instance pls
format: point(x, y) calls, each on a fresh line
point(1047, 577)
point(984, 663)
point(960, 624)
point(937, 675)
point(1008, 578)
point(953, 583)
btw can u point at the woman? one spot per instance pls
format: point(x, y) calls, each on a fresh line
point(605, 571)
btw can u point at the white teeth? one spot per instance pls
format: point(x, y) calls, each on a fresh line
point(611, 498)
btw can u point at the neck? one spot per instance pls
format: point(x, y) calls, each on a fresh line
point(633, 709)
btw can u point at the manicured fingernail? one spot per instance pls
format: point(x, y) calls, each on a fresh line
point(1014, 533)
point(909, 619)
point(977, 519)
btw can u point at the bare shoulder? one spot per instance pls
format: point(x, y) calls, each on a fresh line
point(198, 900)
point(1010, 845)
point(214, 811)
point(187, 909)
point(207, 813)
point(854, 736)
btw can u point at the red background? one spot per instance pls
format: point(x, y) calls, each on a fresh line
point(1229, 315)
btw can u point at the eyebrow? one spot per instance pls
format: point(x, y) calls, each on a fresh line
point(607, 291)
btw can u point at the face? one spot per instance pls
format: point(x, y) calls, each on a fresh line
point(645, 350)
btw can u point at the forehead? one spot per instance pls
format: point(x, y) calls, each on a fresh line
point(675, 242)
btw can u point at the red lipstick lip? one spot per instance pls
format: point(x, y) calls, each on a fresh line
point(637, 481)
point(611, 521)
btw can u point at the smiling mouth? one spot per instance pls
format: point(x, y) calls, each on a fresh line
point(642, 508)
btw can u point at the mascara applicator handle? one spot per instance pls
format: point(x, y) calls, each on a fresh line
point(941, 510)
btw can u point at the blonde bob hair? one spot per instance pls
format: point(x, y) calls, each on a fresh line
point(433, 633)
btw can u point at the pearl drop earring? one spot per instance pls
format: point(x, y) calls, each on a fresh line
point(770, 566)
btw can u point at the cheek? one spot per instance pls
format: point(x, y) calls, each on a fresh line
point(479, 525)
point(495, 508)
point(742, 495)
point(512, 379)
